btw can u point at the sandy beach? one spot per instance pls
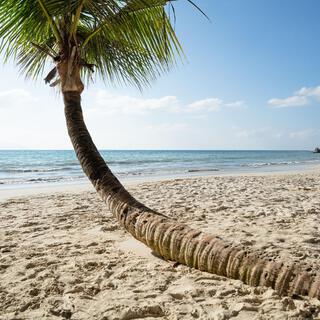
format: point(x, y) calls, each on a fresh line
point(63, 255)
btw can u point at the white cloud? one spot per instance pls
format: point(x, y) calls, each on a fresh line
point(15, 97)
point(300, 98)
point(294, 101)
point(212, 104)
point(113, 103)
point(237, 105)
point(309, 92)
point(123, 104)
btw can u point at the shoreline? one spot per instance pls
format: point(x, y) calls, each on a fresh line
point(12, 191)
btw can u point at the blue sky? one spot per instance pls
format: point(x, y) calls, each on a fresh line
point(251, 81)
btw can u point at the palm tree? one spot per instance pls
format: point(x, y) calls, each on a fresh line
point(129, 41)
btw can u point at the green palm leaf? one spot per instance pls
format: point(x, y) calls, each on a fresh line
point(127, 41)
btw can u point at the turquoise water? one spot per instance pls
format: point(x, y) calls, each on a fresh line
point(30, 167)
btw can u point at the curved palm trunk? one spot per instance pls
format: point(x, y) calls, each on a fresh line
point(176, 241)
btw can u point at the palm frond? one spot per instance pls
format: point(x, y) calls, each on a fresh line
point(138, 45)
point(129, 41)
point(50, 20)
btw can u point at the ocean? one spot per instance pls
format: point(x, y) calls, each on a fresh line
point(35, 167)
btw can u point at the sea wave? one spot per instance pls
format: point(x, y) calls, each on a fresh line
point(142, 161)
point(277, 163)
point(40, 180)
point(202, 170)
point(36, 170)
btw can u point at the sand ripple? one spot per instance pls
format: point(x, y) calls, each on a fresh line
point(62, 255)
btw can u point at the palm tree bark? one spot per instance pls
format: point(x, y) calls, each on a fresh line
point(175, 241)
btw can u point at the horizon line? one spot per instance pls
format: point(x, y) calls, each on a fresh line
point(21, 149)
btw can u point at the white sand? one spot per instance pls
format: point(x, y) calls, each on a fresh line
point(62, 255)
